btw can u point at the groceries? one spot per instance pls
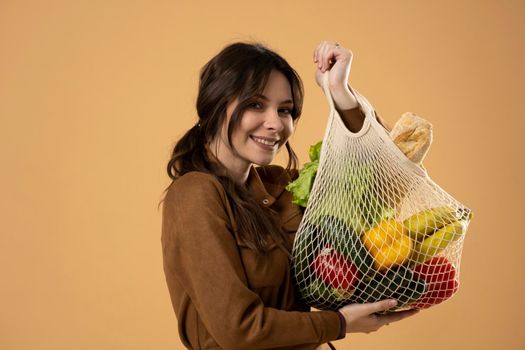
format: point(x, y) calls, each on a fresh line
point(438, 241)
point(411, 134)
point(440, 276)
point(301, 187)
point(331, 267)
point(383, 262)
point(388, 243)
point(399, 283)
point(427, 221)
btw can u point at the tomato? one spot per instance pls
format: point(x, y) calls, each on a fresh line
point(334, 270)
point(440, 275)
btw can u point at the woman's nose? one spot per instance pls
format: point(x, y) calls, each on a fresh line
point(273, 121)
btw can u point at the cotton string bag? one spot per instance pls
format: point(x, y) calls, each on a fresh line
point(375, 226)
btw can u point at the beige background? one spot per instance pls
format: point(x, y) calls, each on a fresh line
point(93, 94)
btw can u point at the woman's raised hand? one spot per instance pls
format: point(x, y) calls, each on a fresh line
point(330, 56)
point(335, 61)
point(361, 318)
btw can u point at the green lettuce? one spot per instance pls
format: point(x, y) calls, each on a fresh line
point(362, 208)
point(301, 187)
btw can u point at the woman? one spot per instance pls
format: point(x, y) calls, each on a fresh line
point(228, 226)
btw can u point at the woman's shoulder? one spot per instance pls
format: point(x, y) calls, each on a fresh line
point(195, 177)
point(194, 185)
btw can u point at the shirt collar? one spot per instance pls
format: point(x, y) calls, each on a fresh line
point(256, 187)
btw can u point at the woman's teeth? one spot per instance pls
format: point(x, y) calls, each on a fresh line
point(264, 142)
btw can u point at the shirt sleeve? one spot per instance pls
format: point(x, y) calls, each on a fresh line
point(357, 112)
point(200, 251)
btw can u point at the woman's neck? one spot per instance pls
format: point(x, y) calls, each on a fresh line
point(236, 169)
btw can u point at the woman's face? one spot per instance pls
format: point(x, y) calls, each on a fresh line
point(264, 128)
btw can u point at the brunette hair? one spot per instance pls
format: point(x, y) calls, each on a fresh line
point(239, 70)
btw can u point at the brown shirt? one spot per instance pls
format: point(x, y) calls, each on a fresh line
point(223, 295)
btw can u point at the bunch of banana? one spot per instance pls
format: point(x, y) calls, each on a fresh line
point(427, 221)
point(434, 229)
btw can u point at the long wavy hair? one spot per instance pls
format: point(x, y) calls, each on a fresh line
point(240, 70)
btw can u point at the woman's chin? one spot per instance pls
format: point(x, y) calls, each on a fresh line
point(263, 161)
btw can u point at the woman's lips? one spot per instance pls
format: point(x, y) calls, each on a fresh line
point(263, 143)
point(266, 140)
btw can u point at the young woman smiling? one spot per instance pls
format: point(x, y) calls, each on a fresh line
point(228, 225)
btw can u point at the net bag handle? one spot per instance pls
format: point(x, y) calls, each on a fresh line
point(370, 122)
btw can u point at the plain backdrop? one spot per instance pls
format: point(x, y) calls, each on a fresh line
point(93, 95)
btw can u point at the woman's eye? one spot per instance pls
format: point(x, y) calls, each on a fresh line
point(258, 105)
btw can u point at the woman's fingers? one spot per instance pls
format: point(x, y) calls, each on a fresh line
point(397, 316)
point(327, 55)
point(379, 306)
point(317, 55)
point(361, 310)
point(331, 52)
point(323, 55)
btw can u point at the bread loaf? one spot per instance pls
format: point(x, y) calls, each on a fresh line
point(413, 135)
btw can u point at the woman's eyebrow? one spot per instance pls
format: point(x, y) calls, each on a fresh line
point(266, 99)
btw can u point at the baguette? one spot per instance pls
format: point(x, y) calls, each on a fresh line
point(413, 135)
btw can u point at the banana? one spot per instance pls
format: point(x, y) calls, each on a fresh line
point(437, 242)
point(427, 221)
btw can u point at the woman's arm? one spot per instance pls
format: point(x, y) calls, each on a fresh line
point(337, 61)
point(350, 111)
point(348, 108)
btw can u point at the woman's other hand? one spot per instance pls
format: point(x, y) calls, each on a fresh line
point(361, 318)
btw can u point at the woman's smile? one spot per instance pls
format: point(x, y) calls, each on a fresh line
point(265, 143)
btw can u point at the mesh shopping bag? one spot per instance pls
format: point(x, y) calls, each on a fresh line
point(375, 225)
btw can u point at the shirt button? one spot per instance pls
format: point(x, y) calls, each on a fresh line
point(266, 201)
